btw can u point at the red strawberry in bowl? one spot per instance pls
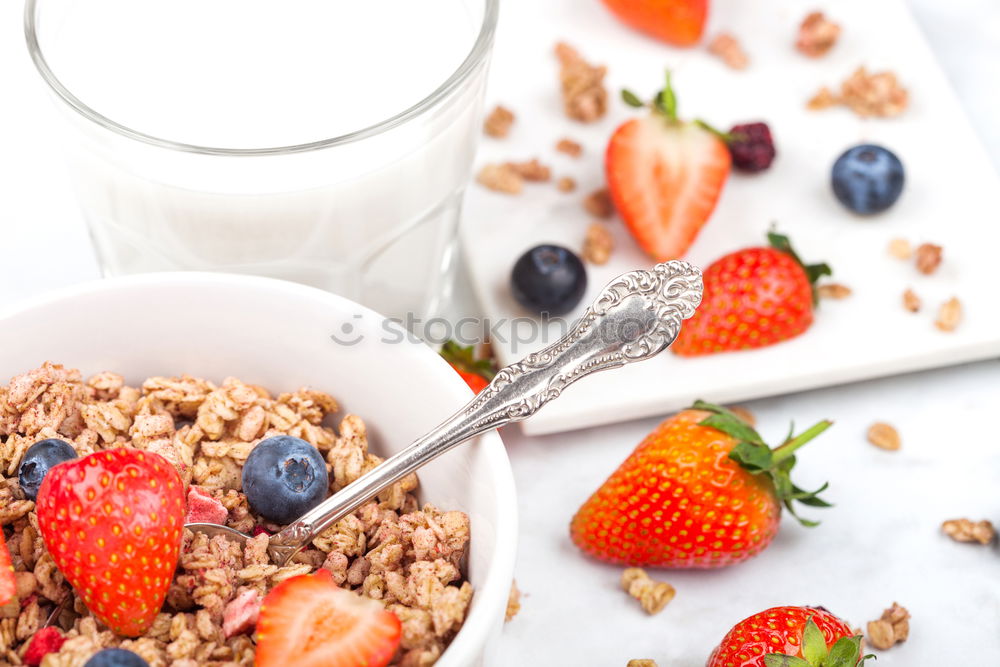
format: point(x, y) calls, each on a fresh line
point(789, 637)
point(753, 298)
point(665, 175)
point(701, 491)
point(112, 522)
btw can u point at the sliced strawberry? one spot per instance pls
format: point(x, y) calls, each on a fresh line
point(8, 587)
point(665, 176)
point(309, 621)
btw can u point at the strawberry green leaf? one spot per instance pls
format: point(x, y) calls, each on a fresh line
point(464, 358)
point(845, 653)
point(779, 660)
point(757, 458)
point(632, 99)
point(814, 648)
point(813, 271)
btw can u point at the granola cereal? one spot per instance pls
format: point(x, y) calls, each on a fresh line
point(391, 549)
point(513, 602)
point(884, 436)
point(584, 96)
point(911, 301)
point(833, 291)
point(653, 596)
point(598, 244)
point(501, 178)
point(497, 124)
point(728, 48)
point(817, 35)
point(569, 147)
point(964, 530)
point(949, 315)
point(566, 184)
point(900, 249)
point(641, 662)
point(892, 628)
point(744, 414)
point(866, 94)
point(928, 258)
point(598, 204)
point(531, 170)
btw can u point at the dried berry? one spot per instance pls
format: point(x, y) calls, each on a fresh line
point(751, 146)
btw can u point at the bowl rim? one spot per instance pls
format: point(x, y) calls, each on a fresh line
point(479, 625)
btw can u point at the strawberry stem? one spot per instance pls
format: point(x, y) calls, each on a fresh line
point(786, 449)
point(813, 271)
point(754, 455)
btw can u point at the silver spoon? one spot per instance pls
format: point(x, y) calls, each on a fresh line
point(637, 316)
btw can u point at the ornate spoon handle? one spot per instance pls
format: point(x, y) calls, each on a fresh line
point(637, 316)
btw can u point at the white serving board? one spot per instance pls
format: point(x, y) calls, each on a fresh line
point(952, 197)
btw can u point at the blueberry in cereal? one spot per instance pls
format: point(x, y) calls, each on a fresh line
point(38, 460)
point(115, 657)
point(284, 477)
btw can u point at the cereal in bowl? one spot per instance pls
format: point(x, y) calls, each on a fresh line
point(97, 476)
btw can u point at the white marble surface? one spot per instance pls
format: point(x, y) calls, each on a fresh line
point(879, 544)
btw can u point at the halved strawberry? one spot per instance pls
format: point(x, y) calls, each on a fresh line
point(665, 176)
point(8, 587)
point(309, 621)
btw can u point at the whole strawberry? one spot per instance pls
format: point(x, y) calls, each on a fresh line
point(701, 491)
point(665, 175)
point(789, 637)
point(753, 298)
point(477, 373)
point(112, 522)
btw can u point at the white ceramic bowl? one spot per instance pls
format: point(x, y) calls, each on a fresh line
point(278, 334)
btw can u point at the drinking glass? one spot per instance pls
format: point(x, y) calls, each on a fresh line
point(327, 142)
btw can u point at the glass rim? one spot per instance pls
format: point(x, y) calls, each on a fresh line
point(478, 52)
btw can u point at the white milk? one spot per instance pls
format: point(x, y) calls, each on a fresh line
point(372, 219)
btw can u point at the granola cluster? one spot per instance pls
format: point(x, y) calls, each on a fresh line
point(584, 96)
point(866, 94)
point(391, 549)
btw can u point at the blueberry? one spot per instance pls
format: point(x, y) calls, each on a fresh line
point(115, 657)
point(867, 179)
point(38, 460)
point(284, 477)
point(548, 279)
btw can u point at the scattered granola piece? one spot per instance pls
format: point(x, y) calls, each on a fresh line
point(641, 662)
point(569, 147)
point(652, 595)
point(584, 97)
point(498, 123)
point(513, 601)
point(598, 244)
point(866, 94)
point(531, 170)
point(964, 530)
point(911, 301)
point(900, 249)
point(823, 99)
point(949, 315)
point(833, 291)
point(874, 94)
point(598, 204)
point(501, 178)
point(817, 35)
point(892, 628)
point(566, 184)
point(884, 436)
point(728, 48)
point(928, 258)
point(744, 414)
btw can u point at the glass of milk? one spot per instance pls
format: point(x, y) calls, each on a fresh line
point(322, 141)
